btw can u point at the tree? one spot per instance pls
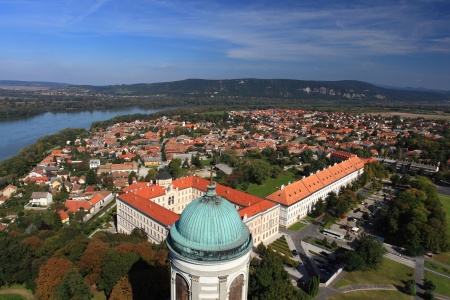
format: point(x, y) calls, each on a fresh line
point(196, 160)
point(113, 267)
point(50, 275)
point(91, 177)
point(428, 295)
point(410, 287)
point(428, 285)
point(313, 286)
point(259, 171)
point(354, 262)
point(131, 177)
point(175, 168)
point(269, 280)
point(151, 175)
point(72, 286)
point(371, 251)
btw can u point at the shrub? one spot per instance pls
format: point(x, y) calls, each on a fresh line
point(410, 287)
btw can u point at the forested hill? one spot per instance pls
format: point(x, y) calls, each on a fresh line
point(270, 88)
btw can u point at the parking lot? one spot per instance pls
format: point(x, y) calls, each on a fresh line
point(363, 217)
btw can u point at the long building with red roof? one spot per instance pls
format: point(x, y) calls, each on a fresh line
point(297, 199)
point(156, 207)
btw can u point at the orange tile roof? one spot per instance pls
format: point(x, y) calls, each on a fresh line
point(135, 186)
point(256, 208)
point(95, 199)
point(149, 208)
point(301, 189)
point(232, 195)
point(75, 205)
point(63, 215)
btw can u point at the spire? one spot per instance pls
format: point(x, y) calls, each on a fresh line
point(211, 189)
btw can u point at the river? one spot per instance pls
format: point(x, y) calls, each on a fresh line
point(19, 133)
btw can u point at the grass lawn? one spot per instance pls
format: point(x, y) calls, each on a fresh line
point(437, 268)
point(11, 297)
point(390, 272)
point(16, 287)
point(445, 200)
point(375, 295)
point(309, 219)
point(280, 245)
point(270, 185)
point(442, 284)
point(98, 295)
point(443, 258)
point(297, 226)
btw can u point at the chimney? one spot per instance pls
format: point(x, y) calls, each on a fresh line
point(282, 187)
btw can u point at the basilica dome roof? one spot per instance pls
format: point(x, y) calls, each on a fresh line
point(210, 229)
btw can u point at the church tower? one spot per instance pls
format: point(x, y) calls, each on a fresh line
point(210, 251)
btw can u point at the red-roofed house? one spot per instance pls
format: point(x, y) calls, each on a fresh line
point(63, 216)
point(75, 205)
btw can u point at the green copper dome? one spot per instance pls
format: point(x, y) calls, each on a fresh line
point(210, 229)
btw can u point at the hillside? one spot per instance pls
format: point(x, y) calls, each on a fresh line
point(271, 88)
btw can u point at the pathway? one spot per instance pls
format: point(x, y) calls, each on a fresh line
point(23, 293)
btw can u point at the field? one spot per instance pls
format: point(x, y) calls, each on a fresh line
point(11, 297)
point(372, 295)
point(445, 200)
point(442, 283)
point(390, 272)
point(438, 115)
point(297, 226)
point(437, 268)
point(270, 185)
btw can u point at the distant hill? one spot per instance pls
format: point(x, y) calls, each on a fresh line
point(32, 83)
point(271, 88)
point(249, 87)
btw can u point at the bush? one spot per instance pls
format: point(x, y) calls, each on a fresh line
point(428, 285)
point(428, 295)
point(410, 287)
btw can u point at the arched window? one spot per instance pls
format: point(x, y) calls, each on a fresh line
point(182, 288)
point(236, 288)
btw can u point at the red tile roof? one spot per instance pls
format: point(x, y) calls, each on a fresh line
point(63, 215)
point(146, 206)
point(75, 205)
point(256, 208)
point(301, 189)
point(232, 195)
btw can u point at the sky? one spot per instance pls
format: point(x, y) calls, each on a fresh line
point(100, 42)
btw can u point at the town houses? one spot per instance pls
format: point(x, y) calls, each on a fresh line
point(345, 141)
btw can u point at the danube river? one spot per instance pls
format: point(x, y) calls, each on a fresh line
point(19, 133)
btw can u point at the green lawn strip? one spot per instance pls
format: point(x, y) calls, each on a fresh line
point(437, 268)
point(297, 226)
point(390, 272)
point(98, 295)
point(16, 287)
point(442, 257)
point(445, 200)
point(369, 295)
point(442, 283)
point(270, 185)
point(11, 297)
point(309, 219)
